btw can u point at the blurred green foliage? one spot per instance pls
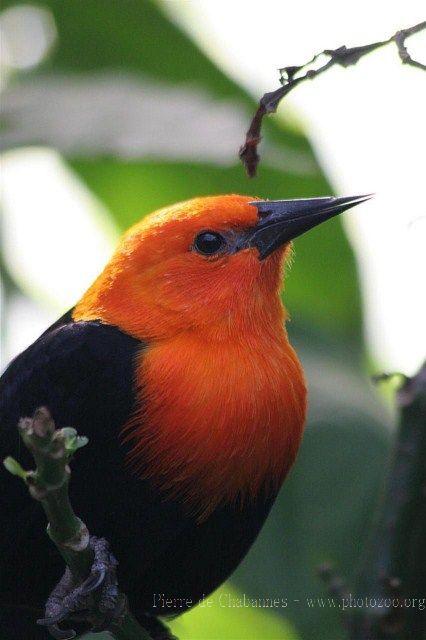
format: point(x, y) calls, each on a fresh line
point(136, 37)
point(326, 506)
point(225, 615)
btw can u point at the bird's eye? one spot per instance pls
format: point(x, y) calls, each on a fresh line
point(208, 243)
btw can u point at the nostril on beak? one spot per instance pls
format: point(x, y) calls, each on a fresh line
point(263, 213)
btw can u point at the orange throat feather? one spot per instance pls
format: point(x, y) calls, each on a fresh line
point(219, 423)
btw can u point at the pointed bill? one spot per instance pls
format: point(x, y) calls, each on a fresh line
point(284, 220)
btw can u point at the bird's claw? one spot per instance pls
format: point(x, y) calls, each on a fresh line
point(93, 582)
point(96, 601)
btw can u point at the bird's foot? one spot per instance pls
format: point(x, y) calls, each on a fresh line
point(96, 602)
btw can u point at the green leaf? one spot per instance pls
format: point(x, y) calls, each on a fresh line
point(81, 441)
point(14, 467)
point(72, 440)
point(226, 615)
point(68, 433)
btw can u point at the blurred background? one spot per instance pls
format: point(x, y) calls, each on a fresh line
point(110, 109)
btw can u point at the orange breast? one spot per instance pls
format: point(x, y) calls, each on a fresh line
point(218, 422)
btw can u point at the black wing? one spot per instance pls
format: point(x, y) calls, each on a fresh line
point(83, 372)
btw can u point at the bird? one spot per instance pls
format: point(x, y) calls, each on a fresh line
point(176, 364)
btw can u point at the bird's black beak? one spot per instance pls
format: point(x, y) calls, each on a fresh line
point(283, 220)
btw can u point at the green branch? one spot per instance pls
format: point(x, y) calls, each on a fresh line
point(392, 580)
point(52, 450)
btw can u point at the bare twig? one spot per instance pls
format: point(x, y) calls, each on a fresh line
point(290, 78)
point(52, 450)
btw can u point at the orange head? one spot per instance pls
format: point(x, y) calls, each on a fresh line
point(213, 423)
point(213, 262)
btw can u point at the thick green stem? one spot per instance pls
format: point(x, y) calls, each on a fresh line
point(396, 561)
point(392, 580)
point(52, 450)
